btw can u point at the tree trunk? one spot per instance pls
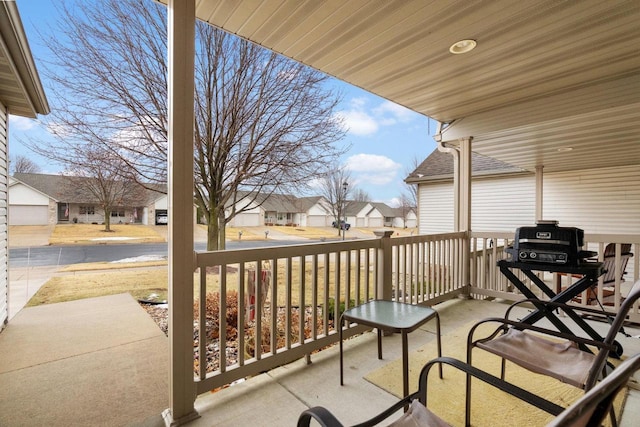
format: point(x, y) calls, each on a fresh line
point(222, 233)
point(212, 231)
point(107, 220)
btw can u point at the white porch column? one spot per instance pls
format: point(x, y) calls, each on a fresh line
point(539, 192)
point(465, 185)
point(465, 205)
point(181, 45)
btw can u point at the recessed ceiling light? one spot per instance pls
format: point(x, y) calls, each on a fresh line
point(565, 149)
point(463, 46)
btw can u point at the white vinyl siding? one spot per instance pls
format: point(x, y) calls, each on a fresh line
point(436, 208)
point(603, 200)
point(4, 258)
point(503, 204)
point(497, 204)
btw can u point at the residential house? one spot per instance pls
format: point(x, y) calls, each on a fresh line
point(21, 94)
point(263, 209)
point(41, 199)
point(405, 217)
point(314, 212)
point(503, 197)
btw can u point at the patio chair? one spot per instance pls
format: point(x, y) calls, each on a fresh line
point(609, 276)
point(549, 352)
point(589, 410)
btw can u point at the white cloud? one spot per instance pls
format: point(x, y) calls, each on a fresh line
point(393, 113)
point(372, 168)
point(358, 122)
point(21, 123)
point(361, 121)
point(394, 202)
point(58, 129)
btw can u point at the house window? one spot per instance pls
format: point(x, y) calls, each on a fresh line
point(117, 213)
point(87, 210)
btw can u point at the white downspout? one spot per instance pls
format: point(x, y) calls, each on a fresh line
point(456, 176)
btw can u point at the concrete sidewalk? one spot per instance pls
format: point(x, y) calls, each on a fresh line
point(99, 361)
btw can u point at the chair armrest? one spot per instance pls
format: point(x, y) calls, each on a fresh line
point(505, 323)
point(321, 415)
point(327, 419)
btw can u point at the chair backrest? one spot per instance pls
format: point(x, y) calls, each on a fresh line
point(609, 261)
point(594, 405)
point(616, 326)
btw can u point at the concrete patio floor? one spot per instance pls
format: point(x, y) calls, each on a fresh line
point(103, 361)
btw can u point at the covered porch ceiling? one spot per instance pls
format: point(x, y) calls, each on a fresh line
point(545, 75)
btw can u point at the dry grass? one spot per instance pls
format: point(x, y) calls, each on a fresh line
point(141, 282)
point(94, 266)
point(94, 233)
point(308, 232)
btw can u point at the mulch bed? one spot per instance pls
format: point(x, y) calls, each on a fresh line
point(160, 312)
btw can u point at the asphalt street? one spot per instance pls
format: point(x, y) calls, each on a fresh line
point(65, 255)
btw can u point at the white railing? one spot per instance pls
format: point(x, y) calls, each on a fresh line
point(487, 281)
point(282, 302)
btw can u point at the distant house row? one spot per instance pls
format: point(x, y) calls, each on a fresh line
point(288, 210)
point(40, 199)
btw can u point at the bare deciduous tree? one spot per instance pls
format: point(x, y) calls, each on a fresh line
point(405, 204)
point(334, 190)
point(359, 195)
point(263, 122)
point(23, 164)
point(102, 178)
point(410, 195)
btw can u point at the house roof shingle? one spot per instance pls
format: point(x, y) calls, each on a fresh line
point(65, 189)
point(439, 165)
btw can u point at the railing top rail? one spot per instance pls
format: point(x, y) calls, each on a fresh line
point(427, 238)
point(493, 234)
point(208, 258)
point(613, 238)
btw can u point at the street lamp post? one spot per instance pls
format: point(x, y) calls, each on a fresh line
point(344, 208)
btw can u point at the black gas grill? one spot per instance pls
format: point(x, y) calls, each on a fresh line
point(547, 243)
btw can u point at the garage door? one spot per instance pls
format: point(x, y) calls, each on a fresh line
point(317, 221)
point(28, 215)
point(376, 222)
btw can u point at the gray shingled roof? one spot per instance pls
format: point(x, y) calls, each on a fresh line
point(64, 188)
point(353, 207)
point(439, 165)
point(384, 209)
point(305, 203)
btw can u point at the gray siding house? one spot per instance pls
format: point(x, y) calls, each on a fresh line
point(21, 94)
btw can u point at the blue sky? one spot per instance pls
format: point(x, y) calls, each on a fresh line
point(383, 137)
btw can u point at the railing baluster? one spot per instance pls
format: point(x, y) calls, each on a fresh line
point(288, 305)
point(222, 320)
point(325, 284)
point(336, 285)
point(274, 305)
point(242, 309)
point(347, 279)
point(258, 309)
point(302, 311)
point(357, 270)
point(314, 296)
point(202, 324)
